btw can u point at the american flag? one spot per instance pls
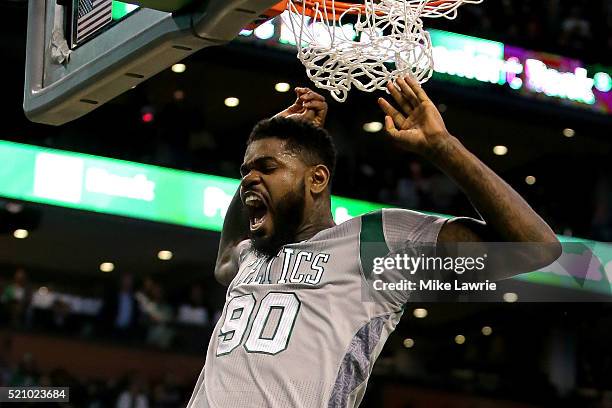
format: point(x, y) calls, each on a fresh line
point(91, 16)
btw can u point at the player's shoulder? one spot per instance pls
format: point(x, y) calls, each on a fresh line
point(390, 215)
point(392, 210)
point(399, 225)
point(243, 248)
point(381, 219)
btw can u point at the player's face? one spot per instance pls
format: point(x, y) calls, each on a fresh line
point(272, 192)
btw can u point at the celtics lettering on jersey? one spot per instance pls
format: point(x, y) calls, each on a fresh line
point(297, 267)
point(282, 308)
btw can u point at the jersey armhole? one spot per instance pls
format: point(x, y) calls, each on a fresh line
point(372, 243)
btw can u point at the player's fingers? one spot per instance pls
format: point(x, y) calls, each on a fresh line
point(416, 89)
point(397, 96)
point(309, 96)
point(299, 92)
point(407, 92)
point(390, 111)
point(296, 107)
point(390, 127)
point(308, 115)
point(315, 104)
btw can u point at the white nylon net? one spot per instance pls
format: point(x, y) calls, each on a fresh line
point(366, 44)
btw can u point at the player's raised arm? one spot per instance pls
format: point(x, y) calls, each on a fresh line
point(308, 106)
point(417, 126)
point(235, 231)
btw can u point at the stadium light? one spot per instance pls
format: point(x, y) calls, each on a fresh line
point(164, 255)
point(500, 150)
point(107, 266)
point(510, 297)
point(20, 233)
point(179, 68)
point(372, 127)
point(147, 117)
point(282, 87)
point(231, 102)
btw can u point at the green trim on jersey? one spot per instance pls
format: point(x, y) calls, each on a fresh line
point(372, 242)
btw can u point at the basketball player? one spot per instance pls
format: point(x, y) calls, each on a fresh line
point(295, 330)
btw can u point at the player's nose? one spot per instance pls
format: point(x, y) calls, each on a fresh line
point(250, 179)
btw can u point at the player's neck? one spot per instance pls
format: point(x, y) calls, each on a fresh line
point(315, 223)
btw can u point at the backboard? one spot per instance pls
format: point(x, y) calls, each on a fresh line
point(73, 67)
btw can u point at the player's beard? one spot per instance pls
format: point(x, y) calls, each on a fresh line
point(287, 218)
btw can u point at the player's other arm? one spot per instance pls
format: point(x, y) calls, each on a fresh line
point(308, 106)
point(418, 127)
point(234, 234)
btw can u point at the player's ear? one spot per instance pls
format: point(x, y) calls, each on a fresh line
point(319, 178)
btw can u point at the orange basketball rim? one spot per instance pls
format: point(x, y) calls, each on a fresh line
point(335, 9)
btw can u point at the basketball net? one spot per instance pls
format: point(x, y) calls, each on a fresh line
point(382, 41)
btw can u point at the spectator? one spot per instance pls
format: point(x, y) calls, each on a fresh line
point(575, 30)
point(135, 396)
point(148, 287)
point(120, 310)
point(444, 192)
point(5, 366)
point(167, 394)
point(388, 190)
point(195, 321)
point(157, 314)
point(26, 374)
point(95, 395)
point(60, 319)
point(413, 191)
point(17, 296)
point(194, 312)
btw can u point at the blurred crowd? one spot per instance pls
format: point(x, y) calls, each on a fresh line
point(126, 314)
point(573, 28)
point(123, 312)
point(146, 313)
point(129, 391)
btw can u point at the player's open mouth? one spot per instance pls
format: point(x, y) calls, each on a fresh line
point(257, 210)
